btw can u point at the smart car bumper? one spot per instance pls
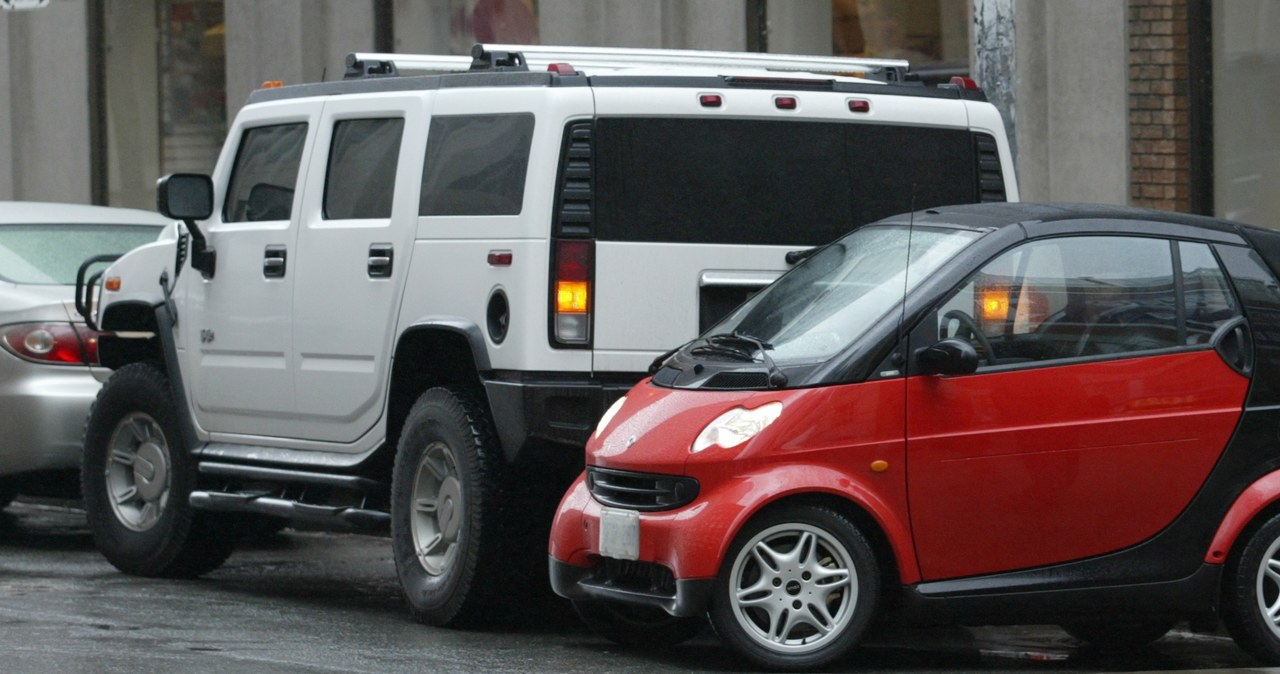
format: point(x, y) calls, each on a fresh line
point(688, 598)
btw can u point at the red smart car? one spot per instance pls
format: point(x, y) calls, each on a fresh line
point(1073, 417)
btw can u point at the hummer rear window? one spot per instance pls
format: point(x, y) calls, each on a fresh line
point(476, 164)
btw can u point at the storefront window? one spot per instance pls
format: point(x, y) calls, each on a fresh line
point(493, 21)
point(932, 34)
point(1246, 85)
point(193, 99)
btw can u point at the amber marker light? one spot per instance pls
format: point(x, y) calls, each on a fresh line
point(995, 305)
point(879, 466)
point(112, 284)
point(572, 297)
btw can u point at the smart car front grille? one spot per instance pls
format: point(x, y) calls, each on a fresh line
point(640, 491)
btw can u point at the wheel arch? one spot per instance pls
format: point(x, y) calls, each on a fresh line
point(133, 316)
point(446, 352)
point(1255, 505)
point(888, 534)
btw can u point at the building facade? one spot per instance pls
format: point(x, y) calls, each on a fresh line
point(1161, 103)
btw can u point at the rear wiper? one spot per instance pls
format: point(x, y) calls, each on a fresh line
point(777, 379)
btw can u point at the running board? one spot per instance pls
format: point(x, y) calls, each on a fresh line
point(332, 516)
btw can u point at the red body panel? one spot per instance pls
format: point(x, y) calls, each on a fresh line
point(824, 442)
point(1258, 496)
point(1034, 467)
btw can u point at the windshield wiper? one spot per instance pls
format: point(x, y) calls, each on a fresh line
point(777, 379)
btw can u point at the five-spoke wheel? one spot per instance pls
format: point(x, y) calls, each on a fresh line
point(437, 508)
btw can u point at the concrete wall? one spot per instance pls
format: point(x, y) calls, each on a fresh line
point(799, 27)
point(672, 24)
point(44, 104)
point(291, 41)
point(1070, 81)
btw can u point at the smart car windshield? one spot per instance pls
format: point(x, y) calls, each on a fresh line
point(825, 303)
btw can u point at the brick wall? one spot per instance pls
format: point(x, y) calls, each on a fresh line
point(1159, 105)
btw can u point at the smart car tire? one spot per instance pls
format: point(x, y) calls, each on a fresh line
point(1251, 593)
point(1119, 636)
point(638, 626)
point(446, 509)
point(137, 474)
point(796, 589)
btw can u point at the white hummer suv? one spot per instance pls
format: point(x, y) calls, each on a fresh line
point(411, 297)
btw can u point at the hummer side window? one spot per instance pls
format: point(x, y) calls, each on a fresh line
point(476, 164)
point(265, 174)
point(362, 168)
point(1068, 298)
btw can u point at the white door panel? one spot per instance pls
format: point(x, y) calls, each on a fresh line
point(235, 327)
point(344, 315)
point(647, 294)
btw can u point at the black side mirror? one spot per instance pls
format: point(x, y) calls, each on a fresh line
point(950, 356)
point(185, 196)
point(189, 197)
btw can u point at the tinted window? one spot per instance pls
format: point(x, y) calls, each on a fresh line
point(766, 182)
point(832, 299)
point(1065, 298)
point(476, 165)
point(265, 173)
point(1207, 300)
point(51, 254)
point(362, 168)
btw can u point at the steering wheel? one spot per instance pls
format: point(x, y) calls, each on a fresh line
point(971, 326)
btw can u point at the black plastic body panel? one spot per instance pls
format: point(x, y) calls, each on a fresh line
point(575, 582)
point(552, 407)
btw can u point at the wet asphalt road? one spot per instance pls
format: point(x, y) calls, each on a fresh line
point(318, 602)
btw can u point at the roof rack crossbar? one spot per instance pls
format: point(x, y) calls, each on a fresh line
point(611, 58)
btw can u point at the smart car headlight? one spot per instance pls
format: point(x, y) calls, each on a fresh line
point(609, 414)
point(736, 426)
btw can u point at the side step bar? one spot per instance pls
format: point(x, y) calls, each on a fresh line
point(248, 502)
point(277, 502)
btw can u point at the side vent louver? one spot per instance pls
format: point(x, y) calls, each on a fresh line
point(573, 211)
point(990, 173)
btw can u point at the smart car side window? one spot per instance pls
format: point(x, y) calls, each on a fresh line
point(265, 173)
point(1206, 297)
point(1068, 298)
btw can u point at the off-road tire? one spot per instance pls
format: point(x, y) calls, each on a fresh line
point(174, 540)
point(447, 481)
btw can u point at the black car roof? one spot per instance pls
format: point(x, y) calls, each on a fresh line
point(991, 216)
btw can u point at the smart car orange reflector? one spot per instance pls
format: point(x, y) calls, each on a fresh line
point(112, 283)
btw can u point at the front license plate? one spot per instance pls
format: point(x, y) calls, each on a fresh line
point(619, 533)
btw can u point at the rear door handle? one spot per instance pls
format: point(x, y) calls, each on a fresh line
point(273, 261)
point(381, 256)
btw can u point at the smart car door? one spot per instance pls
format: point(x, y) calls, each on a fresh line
point(1099, 407)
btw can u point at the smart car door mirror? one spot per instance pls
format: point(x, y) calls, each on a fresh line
point(950, 356)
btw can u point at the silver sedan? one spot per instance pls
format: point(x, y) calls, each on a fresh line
point(49, 372)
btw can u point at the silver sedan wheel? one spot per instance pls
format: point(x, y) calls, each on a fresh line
point(138, 471)
point(793, 588)
point(1267, 588)
point(437, 509)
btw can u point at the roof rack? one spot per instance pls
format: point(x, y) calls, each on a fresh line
point(522, 57)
